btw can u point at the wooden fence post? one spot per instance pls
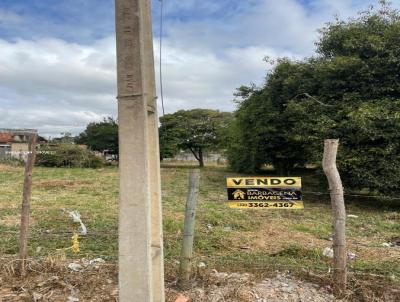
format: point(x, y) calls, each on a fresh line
point(25, 209)
point(339, 215)
point(188, 233)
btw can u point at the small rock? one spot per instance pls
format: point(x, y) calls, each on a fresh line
point(351, 256)
point(96, 261)
point(72, 299)
point(201, 265)
point(76, 267)
point(386, 244)
point(328, 252)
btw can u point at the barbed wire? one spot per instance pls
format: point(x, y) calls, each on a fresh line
point(354, 195)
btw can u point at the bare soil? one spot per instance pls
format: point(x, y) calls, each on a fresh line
point(53, 280)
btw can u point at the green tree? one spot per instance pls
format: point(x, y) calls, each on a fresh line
point(265, 132)
point(100, 136)
point(350, 90)
point(196, 130)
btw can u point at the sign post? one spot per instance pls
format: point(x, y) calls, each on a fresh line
point(140, 237)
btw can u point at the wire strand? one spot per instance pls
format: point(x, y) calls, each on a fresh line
point(161, 51)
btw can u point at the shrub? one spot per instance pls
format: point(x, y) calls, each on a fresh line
point(12, 161)
point(67, 155)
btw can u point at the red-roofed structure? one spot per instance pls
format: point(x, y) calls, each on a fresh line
point(5, 138)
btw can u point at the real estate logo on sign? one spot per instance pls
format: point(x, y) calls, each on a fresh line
point(265, 192)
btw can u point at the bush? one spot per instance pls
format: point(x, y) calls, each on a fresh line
point(12, 161)
point(67, 155)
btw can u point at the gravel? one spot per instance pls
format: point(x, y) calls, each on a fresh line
point(242, 288)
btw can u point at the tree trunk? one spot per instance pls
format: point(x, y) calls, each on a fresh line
point(201, 158)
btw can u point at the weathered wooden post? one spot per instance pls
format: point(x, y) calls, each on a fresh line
point(339, 215)
point(140, 228)
point(188, 230)
point(26, 200)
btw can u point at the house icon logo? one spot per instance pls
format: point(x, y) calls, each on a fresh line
point(238, 194)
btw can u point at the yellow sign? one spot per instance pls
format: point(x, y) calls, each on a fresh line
point(264, 193)
point(264, 182)
point(289, 205)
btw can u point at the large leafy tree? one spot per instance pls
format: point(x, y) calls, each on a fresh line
point(350, 90)
point(100, 136)
point(196, 130)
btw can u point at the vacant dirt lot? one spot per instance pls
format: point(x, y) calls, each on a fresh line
point(265, 244)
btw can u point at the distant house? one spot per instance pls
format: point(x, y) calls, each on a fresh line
point(14, 142)
point(211, 157)
point(5, 143)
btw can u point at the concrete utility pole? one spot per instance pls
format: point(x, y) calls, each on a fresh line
point(141, 271)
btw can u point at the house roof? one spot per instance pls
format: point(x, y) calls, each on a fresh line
point(5, 138)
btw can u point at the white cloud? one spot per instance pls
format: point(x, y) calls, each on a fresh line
point(51, 82)
point(58, 86)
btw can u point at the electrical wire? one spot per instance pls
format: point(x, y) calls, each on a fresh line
point(161, 51)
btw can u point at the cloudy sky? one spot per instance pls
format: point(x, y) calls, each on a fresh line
point(57, 58)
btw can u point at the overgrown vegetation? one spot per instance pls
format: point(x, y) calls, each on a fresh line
point(11, 161)
point(349, 90)
point(67, 155)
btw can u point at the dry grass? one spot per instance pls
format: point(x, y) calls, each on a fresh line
point(62, 184)
point(226, 239)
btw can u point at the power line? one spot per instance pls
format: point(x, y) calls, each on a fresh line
point(161, 50)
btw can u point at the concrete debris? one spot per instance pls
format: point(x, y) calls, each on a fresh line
point(328, 252)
